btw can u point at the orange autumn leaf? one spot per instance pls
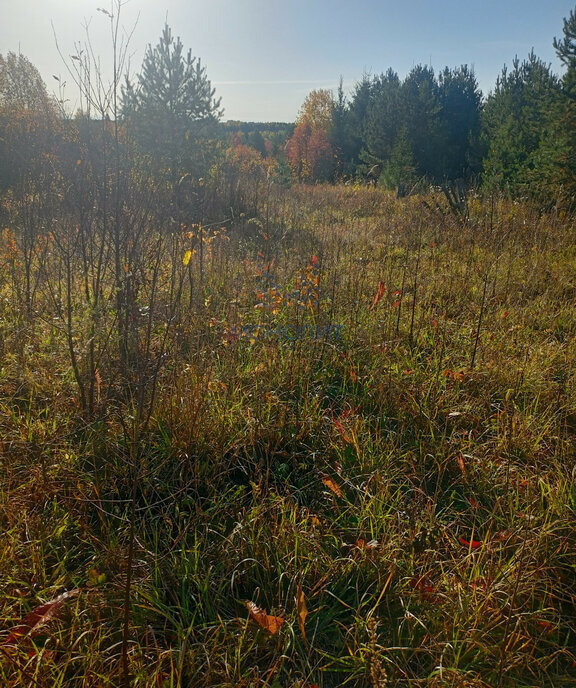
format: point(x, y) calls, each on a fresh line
point(332, 485)
point(379, 294)
point(454, 374)
point(461, 464)
point(396, 304)
point(38, 617)
point(302, 610)
point(270, 623)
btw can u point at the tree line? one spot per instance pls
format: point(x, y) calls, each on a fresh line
point(440, 129)
point(426, 128)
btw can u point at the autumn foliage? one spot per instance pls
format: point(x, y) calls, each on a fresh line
point(310, 154)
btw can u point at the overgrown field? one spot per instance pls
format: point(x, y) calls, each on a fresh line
point(330, 442)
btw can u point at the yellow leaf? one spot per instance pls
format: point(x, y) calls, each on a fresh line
point(187, 257)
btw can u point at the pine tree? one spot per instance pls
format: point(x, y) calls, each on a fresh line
point(357, 115)
point(519, 126)
point(565, 153)
point(172, 106)
point(384, 119)
point(423, 119)
point(461, 98)
point(340, 135)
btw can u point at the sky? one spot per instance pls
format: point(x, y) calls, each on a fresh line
point(264, 56)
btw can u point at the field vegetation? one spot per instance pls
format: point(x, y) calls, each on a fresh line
point(399, 501)
point(262, 433)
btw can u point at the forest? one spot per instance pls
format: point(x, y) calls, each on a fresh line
point(288, 405)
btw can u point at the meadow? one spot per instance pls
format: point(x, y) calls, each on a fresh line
point(326, 441)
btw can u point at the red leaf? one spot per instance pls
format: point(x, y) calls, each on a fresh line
point(38, 617)
point(396, 304)
point(473, 544)
point(379, 294)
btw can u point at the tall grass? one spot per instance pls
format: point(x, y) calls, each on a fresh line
point(413, 476)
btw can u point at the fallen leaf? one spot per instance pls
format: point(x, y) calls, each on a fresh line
point(270, 623)
point(331, 485)
point(302, 610)
point(38, 617)
point(473, 544)
point(457, 375)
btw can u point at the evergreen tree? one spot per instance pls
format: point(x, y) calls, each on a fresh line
point(172, 107)
point(384, 120)
point(426, 132)
point(398, 172)
point(357, 116)
point(340, 135)
point(518, 125)
point(460, 99)
point(564, 174)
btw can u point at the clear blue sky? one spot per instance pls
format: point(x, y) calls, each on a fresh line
point(264, 56)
